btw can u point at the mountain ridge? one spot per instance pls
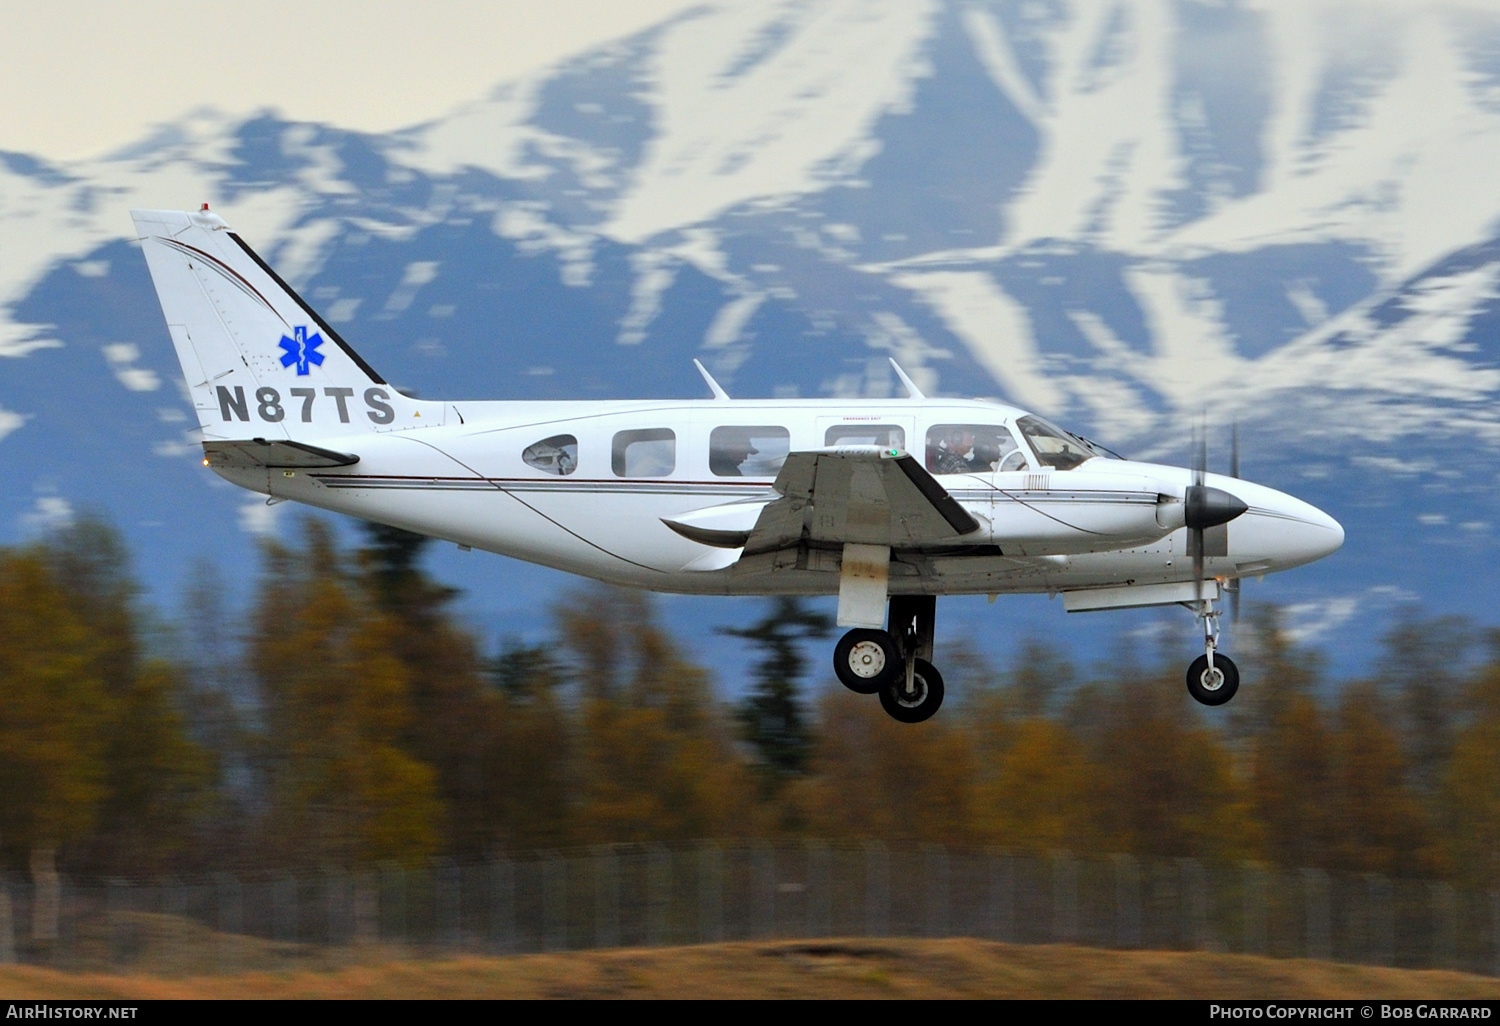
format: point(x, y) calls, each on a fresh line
point(1129, 217)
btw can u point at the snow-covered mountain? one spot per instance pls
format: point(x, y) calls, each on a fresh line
point(1121, 215)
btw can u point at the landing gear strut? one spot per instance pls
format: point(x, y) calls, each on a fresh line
point(895, 663)
point(1212, 678)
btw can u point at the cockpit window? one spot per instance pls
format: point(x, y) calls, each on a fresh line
point(648, 453)
point(748, 451)
point(971, 449)
point(1059, 449)
point(555, 455)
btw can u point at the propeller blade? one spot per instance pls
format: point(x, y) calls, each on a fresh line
point(1234, 451)
point(1200, 454)
point(1193, 499)
point(1195, 542)
point(1233, 587)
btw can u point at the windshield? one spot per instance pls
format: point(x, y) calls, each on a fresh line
point(1059, 449)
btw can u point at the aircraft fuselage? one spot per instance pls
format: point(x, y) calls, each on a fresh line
point(462, 476)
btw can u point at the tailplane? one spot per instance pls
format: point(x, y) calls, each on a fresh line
point(259, 361)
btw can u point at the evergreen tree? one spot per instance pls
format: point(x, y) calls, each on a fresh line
point(529, 756)
point(772, 716)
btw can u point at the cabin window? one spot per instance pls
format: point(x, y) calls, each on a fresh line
point(555, 455)
point(748, 451)
point(887, 436)
point(648, 453)
point(971, 449)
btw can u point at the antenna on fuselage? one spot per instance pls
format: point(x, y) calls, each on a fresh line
point(713, 386)
point(912, 391)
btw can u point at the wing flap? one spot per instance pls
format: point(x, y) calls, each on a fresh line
point(960, 519)
point(276, 454)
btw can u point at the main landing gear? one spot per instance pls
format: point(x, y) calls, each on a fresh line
point(895, 663)
point(1212, 678)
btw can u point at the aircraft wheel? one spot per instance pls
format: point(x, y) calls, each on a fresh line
point(1216, 686)
point(865, 660)
point(923, 703)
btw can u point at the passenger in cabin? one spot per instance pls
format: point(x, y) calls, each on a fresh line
point(728, 451)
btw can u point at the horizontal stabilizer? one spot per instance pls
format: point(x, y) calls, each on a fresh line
point(278, 454)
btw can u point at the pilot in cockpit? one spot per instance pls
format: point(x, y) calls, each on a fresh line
point(953, 452)
point(968, 449)
point(987, 453)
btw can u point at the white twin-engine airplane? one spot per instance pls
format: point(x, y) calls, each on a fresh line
point(886, 502)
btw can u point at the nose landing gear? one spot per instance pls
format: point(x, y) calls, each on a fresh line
point(895, 663)
point(1212, 678)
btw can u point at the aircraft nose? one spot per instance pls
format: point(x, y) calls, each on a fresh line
point(1302, 533)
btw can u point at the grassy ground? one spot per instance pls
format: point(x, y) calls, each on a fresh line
point(894, 968)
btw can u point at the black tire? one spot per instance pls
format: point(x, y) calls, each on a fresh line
point(914, 709)
point(866, 660)
point(1213, 689)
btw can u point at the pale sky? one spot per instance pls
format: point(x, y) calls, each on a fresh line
point(79, 78)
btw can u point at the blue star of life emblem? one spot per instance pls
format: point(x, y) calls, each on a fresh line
point(301, 350)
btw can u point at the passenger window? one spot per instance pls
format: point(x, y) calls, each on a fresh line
point(555, 455)
point(887, 436)
point(748, 451)
point(648, 453)
point(972, 449)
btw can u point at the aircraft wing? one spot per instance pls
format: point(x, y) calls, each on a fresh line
point(856, 494)
point(862, 495)
point(274, 453)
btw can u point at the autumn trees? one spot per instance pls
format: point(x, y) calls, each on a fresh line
point(350, 717)
point(95, 757)
point(53, 708)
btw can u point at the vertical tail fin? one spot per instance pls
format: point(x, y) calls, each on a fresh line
point(259, 361)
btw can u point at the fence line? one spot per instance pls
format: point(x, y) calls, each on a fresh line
point(623, 895)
